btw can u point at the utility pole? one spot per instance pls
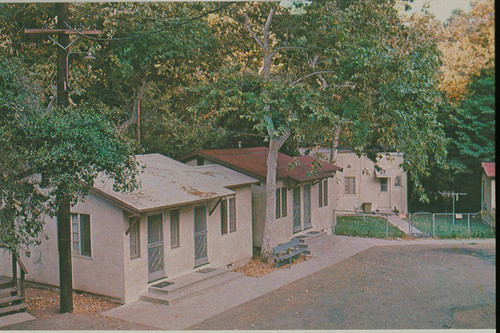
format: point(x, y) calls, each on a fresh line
point(63, 198)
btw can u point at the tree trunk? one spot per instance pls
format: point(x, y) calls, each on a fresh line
point(64, 247)
point(335, 144)
point(139, 92)
point(136, 110)
point(269, 237)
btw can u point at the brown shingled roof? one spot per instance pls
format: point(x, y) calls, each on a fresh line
point(253, 161)
point(489, 168)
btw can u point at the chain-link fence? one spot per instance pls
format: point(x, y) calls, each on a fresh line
point(449, 225)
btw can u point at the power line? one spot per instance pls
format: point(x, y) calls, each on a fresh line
point(173, 25)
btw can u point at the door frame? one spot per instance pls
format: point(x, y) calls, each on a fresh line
point(295, 214)
point(203, 260)
point(309, 225)
point(160, 274)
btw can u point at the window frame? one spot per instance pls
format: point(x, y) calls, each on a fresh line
point(137, 232)
point(323, 193)
point(228, 216)
point(384, 185)
point(176, 231)
point(348, 188)
point(281, 202)
point(79, 231)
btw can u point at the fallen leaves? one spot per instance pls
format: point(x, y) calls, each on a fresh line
point(45, 303)
point(257, 268)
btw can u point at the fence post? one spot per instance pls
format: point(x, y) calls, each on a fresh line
point(386, 228)
point(409, 224)
point(434, 225)
point(468, 223)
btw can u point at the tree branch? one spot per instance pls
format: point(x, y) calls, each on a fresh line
point(288, 48)
point(309, 75)
point(267, 26)
point(249, 28)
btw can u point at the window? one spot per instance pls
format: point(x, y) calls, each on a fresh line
point(200, 161)
point(350, 185)
point(232, 215)
point(383, 184)
point(81, 234)
point(281, 202)
point(228, 215)
point(134, 239)
point(323, 193)
point(174, 229)
point(397, 182)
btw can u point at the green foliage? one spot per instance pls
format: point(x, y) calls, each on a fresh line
point(21, 202)
point(65, 146)
point(471, 125)
point(74, 146)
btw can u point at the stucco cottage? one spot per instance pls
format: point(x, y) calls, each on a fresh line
point(182, 218)
point(304, 192)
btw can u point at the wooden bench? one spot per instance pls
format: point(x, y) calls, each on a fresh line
point(287, 251)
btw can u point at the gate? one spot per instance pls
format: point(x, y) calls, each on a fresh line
point(421, 224)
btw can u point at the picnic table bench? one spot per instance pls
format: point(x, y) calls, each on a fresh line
point(287, 251)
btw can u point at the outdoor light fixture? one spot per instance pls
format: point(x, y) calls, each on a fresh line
point(89, 56)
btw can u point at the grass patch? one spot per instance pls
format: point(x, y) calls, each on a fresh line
point(373, 227)
point(446, 229)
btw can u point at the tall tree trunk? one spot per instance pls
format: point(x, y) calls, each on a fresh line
point(139, 92)
point(136, 110)
point(63, 204)
point(269, 237)
point(335, 144)
point(64, 248)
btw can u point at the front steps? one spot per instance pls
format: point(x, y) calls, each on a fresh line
point(11, 301)
point(188, 286)
point(311, 238)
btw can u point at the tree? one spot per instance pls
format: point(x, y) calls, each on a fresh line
point(21, 201)
point(329, 65)
point(468, 46)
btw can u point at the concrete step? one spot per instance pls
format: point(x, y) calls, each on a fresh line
point(7, 292)
point(13, 309)
point(187, 281)
point(313, 239)
point(6, 283)
point(11, 299)
point(15, 318)
point(157, 295)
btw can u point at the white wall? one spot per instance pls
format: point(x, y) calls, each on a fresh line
point(321, 217)
point(367, 185)
point(103, 273)
point(222, 250)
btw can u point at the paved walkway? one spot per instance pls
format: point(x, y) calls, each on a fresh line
point(327, 251)
point(402, 225)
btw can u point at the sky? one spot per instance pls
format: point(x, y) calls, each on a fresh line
point(442, 8)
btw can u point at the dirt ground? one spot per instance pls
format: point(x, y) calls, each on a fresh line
point(257, 268)
point(43, 303)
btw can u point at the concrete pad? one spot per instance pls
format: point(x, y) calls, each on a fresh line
point(15, 318)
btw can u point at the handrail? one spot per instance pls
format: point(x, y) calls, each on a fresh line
point(24, 270)
point(21, 264)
